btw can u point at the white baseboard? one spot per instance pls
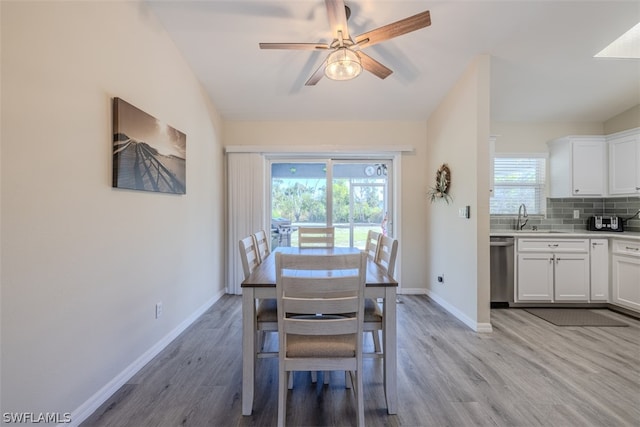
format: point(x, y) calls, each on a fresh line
point(477, 327)
point(89, 407)
point(412, 291)
point(484, 328)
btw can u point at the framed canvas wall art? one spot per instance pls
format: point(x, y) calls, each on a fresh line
point(148, 155)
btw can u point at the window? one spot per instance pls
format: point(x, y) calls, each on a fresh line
point(518, 179)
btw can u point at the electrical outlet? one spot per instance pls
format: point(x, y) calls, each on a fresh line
point(441, 278)
point(576, 214)
point(158, 310)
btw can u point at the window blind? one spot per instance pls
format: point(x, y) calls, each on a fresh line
point(518, 180)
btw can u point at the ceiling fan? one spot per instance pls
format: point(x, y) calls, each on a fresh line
point(347, 60)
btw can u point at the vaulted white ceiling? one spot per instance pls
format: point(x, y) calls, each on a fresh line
point(542, 67)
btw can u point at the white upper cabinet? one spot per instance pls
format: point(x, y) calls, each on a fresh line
point(624, 162)
point(577, 166)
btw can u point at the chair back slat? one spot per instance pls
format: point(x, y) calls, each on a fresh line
point(320, 287)
point(314, 261)
point(316, 237)
point(309, 326)
point(321, 305)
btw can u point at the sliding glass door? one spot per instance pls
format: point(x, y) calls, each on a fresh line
point(352, 195)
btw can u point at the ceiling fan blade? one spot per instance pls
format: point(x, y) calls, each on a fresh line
point(373, 66)
point(298, 46)
point(337, 18)
point(395, 29)
point(317, 75)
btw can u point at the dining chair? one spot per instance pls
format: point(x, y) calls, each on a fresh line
point(370, 312)
point(316, 237)
point(385, 257)
point(320, 319)
point(262, 244)
point(266, 311)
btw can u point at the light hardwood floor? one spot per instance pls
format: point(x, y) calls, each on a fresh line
point(526, 373)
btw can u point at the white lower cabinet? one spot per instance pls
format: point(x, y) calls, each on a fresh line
point(578, 270)
point(625, 273)
point(535, 277)
point(571, 277)
point(553, 270)
point(599, 257)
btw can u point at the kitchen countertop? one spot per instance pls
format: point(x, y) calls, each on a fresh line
point(632, 235)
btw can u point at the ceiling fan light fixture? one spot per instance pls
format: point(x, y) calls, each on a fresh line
point(343, 64)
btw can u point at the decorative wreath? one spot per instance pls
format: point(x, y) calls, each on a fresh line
point(443, 181)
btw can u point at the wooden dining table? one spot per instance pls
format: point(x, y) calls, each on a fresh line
point(262, 284)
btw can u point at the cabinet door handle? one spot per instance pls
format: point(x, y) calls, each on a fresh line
point(629, 248)
point(576, 190)
point(637, 188)
point(554, 245)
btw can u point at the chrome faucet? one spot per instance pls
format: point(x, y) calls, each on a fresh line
point(522, 213)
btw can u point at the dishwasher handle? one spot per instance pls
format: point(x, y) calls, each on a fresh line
point(503, 243)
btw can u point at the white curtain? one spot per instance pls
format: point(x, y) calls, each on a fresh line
point(246, 204)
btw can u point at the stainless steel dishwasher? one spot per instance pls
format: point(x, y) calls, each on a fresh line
point(501, 266)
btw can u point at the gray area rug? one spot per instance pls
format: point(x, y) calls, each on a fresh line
point(574, 317)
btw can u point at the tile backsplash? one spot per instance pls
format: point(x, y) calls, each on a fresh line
point(560, 214)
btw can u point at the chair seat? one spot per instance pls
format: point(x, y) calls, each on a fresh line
point(372, 311)
point(321, 346)
point(267, 310)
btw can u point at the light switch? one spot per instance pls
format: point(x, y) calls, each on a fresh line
point(464, 212)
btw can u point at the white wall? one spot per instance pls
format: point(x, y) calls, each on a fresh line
point(413, 246)
point(458, 135)
point(628, 119)
point(83, 264)
point(533, 137)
